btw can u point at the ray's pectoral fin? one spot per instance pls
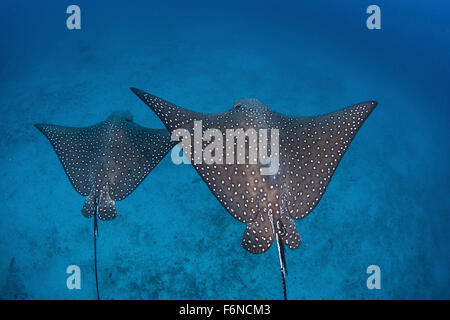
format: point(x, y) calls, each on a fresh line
point(170, 114)
point(76, 148)
point(320, 144)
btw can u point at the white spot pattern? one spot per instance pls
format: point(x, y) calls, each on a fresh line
point(310, 150)
point(107, 161)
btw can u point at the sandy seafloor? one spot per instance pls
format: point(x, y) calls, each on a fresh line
point(387, 204)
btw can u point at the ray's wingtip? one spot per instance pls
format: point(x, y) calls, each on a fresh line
point(137, 91)
point(39, 126)
point(372, 104)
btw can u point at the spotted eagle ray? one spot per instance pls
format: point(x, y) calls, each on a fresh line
point(310, 149)
point(107, 161)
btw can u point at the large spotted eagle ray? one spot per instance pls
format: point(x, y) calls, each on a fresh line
point(107, 161)
point(310, 149)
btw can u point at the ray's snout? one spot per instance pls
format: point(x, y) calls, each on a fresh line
point(249, 103)
point(121, 115)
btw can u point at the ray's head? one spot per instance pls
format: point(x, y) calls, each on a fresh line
point(251, 104)
point(121, 116)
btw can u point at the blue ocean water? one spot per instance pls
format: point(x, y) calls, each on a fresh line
point(387, 204)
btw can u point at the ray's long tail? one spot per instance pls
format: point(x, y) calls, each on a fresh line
point(95, 251)
point(283, 268)
point(281, 255)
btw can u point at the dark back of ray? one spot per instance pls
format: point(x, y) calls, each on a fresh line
point(310, 150)
point(106, 162)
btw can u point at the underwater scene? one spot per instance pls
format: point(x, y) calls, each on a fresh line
point(168, 230)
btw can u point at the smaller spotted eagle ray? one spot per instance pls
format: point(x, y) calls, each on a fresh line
point(107, 161)
point(310, 149)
